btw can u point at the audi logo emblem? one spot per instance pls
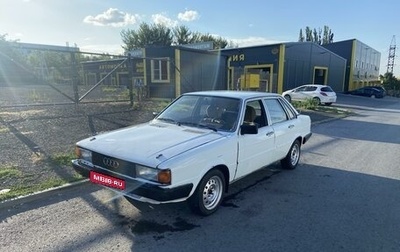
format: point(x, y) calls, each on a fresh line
point(110, 163)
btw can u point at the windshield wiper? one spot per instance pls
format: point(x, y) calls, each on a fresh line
point(207, 127)
point(169, 120)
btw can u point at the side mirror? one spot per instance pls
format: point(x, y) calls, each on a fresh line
point(251, 129)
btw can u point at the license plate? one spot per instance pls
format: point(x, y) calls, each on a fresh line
point(106, 180)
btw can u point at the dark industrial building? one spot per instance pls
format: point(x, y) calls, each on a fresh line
point(165, 72)
point(279, 67)
point(362, 67)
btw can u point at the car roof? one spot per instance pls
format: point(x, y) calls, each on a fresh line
point(235, 94)
point(315, 85)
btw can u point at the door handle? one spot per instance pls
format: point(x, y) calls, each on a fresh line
point(269, 133)
point(291, 126)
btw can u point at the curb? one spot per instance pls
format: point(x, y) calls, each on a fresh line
point(38, 195)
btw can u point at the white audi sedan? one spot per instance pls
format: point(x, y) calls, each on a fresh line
point(321, 94)
point(195, 148)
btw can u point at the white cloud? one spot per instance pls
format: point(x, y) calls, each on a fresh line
point(111, 17)
point(188, 15)
point(164, 20)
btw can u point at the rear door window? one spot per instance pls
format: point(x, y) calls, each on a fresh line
point(326, 89)
point(276, 111)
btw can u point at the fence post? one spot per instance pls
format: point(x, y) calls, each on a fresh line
point(75, 77)
point(130, 79)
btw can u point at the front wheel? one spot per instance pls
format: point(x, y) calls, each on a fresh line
point(292, 158)
point(209, 193)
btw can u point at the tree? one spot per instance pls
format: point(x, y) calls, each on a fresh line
point(146, 35)
point(182, 35)
point(319, 36)
point(390, 81)
point(160, 35)
point(301, 36)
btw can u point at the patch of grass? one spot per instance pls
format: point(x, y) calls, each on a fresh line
point(10, 172)
point(63, 159)
point(109, 89)
point(307, 104)
point(23, 190)
point(4, 130)
point(311, 104)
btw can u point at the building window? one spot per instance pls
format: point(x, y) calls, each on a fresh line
point(160, 70)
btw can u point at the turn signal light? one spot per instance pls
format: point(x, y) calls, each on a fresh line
point(164, 177)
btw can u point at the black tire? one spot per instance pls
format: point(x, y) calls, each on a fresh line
point(209, 193)
point(292, 158)
point(288, 98)
point(317, 100)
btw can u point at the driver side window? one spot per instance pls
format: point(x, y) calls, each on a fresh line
point(255, 113)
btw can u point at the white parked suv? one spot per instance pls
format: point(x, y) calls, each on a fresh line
point(195, 148)
point(322, 94)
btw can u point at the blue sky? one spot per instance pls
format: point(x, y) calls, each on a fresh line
point(95, 25)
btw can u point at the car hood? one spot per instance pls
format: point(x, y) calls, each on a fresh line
point(150, 143)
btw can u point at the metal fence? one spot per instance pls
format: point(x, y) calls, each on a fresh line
point(49, 75)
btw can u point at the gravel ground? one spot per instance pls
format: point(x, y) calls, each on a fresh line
point(30, 137)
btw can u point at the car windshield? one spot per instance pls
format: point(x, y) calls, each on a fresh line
point(215, 113)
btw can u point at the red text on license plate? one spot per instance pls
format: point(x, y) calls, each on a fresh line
point(106, 180)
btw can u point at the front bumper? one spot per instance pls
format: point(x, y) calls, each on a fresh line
point(138, 190)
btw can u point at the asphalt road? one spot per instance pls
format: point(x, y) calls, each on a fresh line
point(344, 196)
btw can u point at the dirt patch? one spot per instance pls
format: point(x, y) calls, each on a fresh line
point(33, 139)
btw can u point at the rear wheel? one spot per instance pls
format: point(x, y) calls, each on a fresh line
point(317, 100)
point(292, 158)
point(208, 195)
point(288, 98)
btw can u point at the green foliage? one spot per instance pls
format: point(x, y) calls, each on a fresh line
point(9, 172)
point(391, 84)
point(320, 36)
point(63, 159)
point(310, 104)
point(160, 35)
point(22, 189)
point(146, 35)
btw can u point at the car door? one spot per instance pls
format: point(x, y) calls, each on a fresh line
point(299, 93)
point(309, 92)
point(255, 150)
point(284, 123)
